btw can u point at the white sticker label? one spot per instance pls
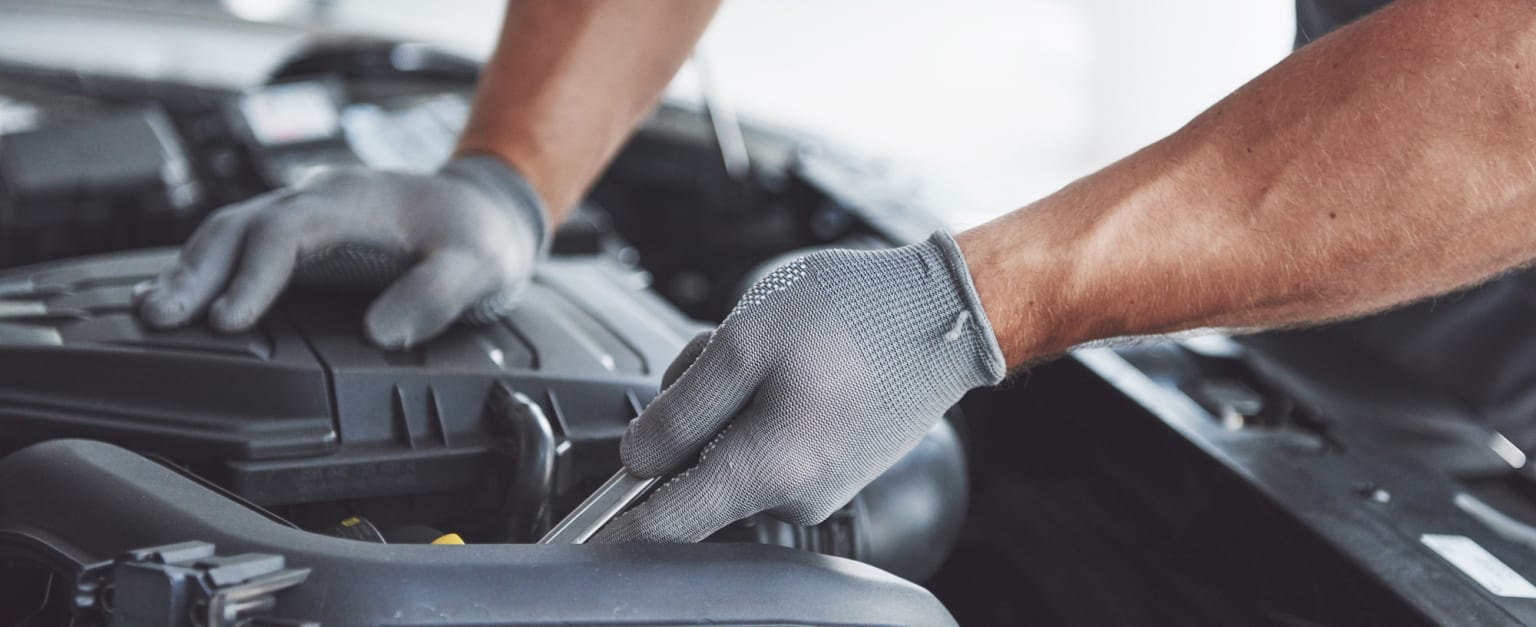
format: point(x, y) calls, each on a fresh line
point(1469, 556)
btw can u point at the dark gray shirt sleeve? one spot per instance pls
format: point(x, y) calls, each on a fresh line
point(1315, 18)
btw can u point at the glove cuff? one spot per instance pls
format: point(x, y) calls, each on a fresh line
point(914, 313)
point(495, 177)
point(989, 355)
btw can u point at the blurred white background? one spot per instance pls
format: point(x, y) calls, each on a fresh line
point(1002, 101)
point(996, 102)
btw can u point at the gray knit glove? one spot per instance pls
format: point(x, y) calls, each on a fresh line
point(826, 373)
point(461, 243)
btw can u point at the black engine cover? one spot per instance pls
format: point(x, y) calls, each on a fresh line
point(302, 408)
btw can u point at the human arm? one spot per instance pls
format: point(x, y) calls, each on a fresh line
point(571, 79)
point(1393, 160)
point(567, 84)
point(1385, 163)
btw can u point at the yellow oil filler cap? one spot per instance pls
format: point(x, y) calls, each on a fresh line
point(449, 538)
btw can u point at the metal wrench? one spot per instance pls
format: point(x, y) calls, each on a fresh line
point(616, 494)
point(583, 522)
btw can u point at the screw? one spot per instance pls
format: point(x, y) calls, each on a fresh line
point(1369, 490)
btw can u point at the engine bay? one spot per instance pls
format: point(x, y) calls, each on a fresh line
point(295, 474)
point(485, 434)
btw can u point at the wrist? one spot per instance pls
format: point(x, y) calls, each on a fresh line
point(1022, 290)
point(508, 186)
point(989, 361)
point(910, 308)
point(548, 182)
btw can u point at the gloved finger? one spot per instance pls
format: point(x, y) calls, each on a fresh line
point(684, 359)
point(267, 258)
point(427, 298)
point(183, 290)
point(687, 508)
point(688, 413)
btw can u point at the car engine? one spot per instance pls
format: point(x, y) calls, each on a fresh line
point(302, 434)
point(297, 475)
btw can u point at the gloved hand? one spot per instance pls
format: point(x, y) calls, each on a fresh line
point(462, 242)
point(827, 372)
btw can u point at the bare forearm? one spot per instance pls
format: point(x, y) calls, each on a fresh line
point(569, 81)
point(1388, 162)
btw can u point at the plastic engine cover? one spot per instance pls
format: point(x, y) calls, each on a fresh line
point(302, 408)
